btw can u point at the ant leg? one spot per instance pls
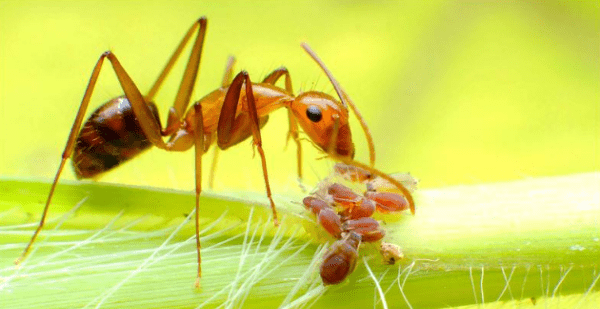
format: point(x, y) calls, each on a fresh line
point(141, 110)
point(228, 122)
point(274, 76)
point(199, 150)
point(293, 132)
point(148, 123)
point(224, 84)
point(152, 130)
point(189, 76)
point(228, 75)
point(346, 101)
point(67, 152)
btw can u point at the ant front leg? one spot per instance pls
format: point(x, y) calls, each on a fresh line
point(232, 129)
point(293, 132)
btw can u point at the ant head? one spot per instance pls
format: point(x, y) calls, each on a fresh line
point(340, 115)
point(325, 121)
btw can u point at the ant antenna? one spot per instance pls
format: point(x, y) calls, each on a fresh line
point(345, 101)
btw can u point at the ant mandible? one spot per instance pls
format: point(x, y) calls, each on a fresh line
point(127, 125)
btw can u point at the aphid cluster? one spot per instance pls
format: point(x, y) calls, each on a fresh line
point(348, 217)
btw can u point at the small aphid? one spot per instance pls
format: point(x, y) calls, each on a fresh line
point(352, 173)
point(366, 223)
point(315, 205)
point(382, 185)
point(331, 222)
point(340, 260)
point(373, 236)
point(387, 201)
point(365, 208)
point(390, 253)
point(367, 228)
point(343, 195)
point(327, 218)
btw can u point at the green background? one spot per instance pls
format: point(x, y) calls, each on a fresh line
point(454, 92)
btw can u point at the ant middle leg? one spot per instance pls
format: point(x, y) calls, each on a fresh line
point(227, 76)
point(188, 81)
point(233, 129)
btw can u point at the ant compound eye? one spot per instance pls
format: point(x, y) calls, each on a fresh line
point(314, 113)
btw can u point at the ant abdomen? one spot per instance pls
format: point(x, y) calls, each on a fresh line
point(111, 136)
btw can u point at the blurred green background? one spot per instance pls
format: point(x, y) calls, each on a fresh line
point(454, 92)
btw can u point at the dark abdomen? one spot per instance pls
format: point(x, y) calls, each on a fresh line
point(111, 136)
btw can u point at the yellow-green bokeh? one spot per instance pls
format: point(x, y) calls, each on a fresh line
point(454, 92)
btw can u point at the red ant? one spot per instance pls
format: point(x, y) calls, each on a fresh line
point(125, 126)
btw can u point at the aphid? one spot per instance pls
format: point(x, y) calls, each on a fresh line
point(361, 224)
point(352, 173)
point(331, 222)
point(355, 206)
point(365, 208)
point(386, 202)
point(383, 185)
point(127, 125)
point(343, 195)
point(390, 253)
point(366, 227)
point(340, 259)
point(326, 216)
point(314, 204)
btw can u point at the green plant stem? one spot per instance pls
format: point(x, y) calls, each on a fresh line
point(551, 221)
point(529, 240)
